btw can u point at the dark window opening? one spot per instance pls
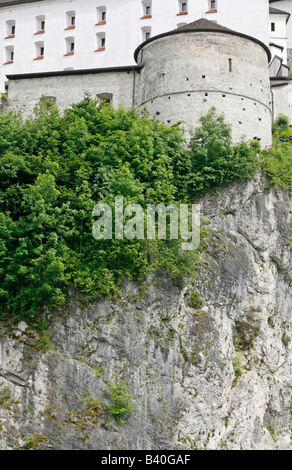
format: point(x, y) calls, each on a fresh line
point(230, 65)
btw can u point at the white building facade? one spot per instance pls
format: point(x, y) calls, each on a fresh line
point(55, 35)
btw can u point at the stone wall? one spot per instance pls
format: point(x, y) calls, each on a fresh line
point(70, 88)
point(184, 75)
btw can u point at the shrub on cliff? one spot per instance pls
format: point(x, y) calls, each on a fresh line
point(53, 171)
point(214, 160)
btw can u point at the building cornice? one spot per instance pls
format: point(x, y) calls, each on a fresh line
point(59, 73)
point(17, 2)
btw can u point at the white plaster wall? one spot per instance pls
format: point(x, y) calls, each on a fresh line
point(187, 74)
point(286, 5)
point(283, 100)
point(279, 36)
point(123, 30)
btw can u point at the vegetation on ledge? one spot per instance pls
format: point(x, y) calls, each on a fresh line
point(54, 169)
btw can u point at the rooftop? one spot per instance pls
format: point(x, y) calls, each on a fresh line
point(202, 23)
point(276, 11)
point(8, 3)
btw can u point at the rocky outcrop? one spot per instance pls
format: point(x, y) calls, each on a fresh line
point(209, 365)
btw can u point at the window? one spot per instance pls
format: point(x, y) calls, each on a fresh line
point(230, 65)
point(9, 55)
point(105, 97)
point(10, 28)
point(183, 7)
point(273, 26)
point(39, 50)
point(146, 9)
point(101, 15)
point(213, 5)
point(69, 46)
point(70, 20)
point(100, 42)
point(48, 101)
point(146, 33)
point(40, 24)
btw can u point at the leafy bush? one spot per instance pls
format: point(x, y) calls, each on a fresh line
point(214, 160)
point(54, 170)
point(121, 400)
point(196, 300)
point(276, 162)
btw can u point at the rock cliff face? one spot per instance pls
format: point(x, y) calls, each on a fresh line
point(210, 365)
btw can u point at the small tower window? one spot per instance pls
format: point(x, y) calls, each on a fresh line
point(70, 20)
point(101, 15)
point(69, 46)
point(146, 8)
point(9, 54)
point(146, 33)
point(105, 97)
point(39, 50)
point(230, 65)
point(182, 7)
point(10, 28)
point(100, 41)
point(273, 26)
point(40, 25)
point(213, 5)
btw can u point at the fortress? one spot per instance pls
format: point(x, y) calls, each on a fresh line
point(178, 74)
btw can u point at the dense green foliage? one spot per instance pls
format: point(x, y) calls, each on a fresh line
point(214, 159)
point(121, 400)
point(276, 162)
point(54, 169)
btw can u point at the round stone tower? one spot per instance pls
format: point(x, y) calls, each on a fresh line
point(202, 65)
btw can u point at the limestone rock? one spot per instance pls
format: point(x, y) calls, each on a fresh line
point(209, 365)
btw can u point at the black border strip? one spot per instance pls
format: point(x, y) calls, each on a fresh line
point(128, 68)
point(17, 2)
